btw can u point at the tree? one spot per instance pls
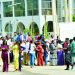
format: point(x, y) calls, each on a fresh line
point(26, 30)
point(73, 18)
point(45, 29)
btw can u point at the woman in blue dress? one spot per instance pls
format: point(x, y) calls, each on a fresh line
point(60, 57)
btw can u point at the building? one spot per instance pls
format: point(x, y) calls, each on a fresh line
point(65, 10)
point(16, 15)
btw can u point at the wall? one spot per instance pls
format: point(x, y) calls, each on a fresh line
point(39, 20)
point(67, 30)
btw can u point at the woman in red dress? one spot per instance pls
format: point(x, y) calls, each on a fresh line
point(39, 54)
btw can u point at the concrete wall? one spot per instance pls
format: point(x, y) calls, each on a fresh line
point(39, 20)
point(67, 30)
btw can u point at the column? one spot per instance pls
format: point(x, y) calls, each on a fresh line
point(2, 17)
point(25, 7)
point(40, 15)
point(13, 24)
point(70, 10)
point(40, 6)
point(40, 29)
point(2, 9)
point(13, 8)
point(66, 10)
point(55, 23)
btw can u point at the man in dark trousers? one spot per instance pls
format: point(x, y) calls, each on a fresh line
point(66, 51)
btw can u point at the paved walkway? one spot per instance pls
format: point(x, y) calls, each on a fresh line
point(39, 70)
point(51, 70)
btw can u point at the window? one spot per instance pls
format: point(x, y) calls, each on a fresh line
point(32, 7)
point(73, 3)
point(7, 11)
point(19, 9)
point(47, 7)
point(50, 26)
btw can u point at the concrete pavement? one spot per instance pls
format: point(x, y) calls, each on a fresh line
point(51, 70)
point(39, 70)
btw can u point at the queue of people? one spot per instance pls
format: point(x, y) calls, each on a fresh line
point(24, 50)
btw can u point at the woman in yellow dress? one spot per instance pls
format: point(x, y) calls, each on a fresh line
point(15, 49)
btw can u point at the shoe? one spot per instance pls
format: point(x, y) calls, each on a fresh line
point(16, 70)
point(72, 67)
point(31, 67)
point(67, 69)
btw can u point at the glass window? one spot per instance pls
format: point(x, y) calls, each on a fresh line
point(7, 9)
point(19, 9)
point(32, 7)
point(46, 11)
point(47, 7)
point(50, 26)
point(73, 4)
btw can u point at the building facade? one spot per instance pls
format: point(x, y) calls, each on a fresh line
point(65, 10)
point(16, 15)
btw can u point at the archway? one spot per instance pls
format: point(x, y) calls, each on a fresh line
point(8, 28)
point(34, 28)
point(49, 25)
point(20, 27)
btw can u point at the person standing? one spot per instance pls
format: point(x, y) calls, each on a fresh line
point(15, 49)
point(20, 56)
point(15, 37)
point(39, 54)
point(73, 52)
point(52, 48)
point(45, 49)
point(4, 55)
point(68, 55)
point(32, 53)
point(60, 57)
point(26, 53)
point(65, 48)
point(1, 42)
point(23, 47)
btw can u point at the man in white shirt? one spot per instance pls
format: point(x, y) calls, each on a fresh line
point(26, 53)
